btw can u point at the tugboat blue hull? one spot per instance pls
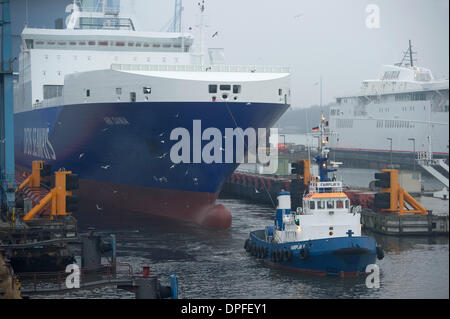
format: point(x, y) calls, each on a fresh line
point(342, 256)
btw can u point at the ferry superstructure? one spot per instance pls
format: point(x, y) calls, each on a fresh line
point(102, 99)
point(405, 110)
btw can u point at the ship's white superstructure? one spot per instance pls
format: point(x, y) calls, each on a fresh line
point(143, 66)
point(405, 110)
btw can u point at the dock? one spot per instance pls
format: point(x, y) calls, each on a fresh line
point(262, 189)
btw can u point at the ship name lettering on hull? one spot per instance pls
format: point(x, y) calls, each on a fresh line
point(37, 144)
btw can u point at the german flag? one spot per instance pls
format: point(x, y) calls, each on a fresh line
point(314, 129)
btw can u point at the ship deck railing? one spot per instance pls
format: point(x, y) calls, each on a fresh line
point(200, 68)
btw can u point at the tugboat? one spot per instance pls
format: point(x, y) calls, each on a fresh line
point(322, 237)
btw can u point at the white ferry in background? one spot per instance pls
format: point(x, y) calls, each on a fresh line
point(405, 110)
point(102, 99)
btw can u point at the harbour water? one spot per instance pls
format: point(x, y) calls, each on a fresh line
point(214, 264)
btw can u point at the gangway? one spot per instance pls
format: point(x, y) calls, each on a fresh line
point(426, 161)
point(443, 164)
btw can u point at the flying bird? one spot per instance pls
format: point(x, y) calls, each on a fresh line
point(215, 34)
point(98, 207)
point(105, 166)
point(81, 155)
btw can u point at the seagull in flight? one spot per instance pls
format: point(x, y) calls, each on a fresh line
point(81, 155)
point(98, 207)
point(105, 166)
point(215, 34)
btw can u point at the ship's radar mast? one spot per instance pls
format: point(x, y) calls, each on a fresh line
point(408, 55)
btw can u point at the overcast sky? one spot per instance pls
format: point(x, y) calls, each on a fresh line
point(313, 37)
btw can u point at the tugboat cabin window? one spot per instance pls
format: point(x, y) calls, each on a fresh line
point(312, 205)
point(339, 204)
point(320, 204)
point(212, 88)
point(347, 203)
point(330, 203)
point(225, 87)
point(236, 89)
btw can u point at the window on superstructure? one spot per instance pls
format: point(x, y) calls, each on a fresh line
point(236, 89)
point(212, 88)
point(118, 91)
point(330, 204)
point(133, 96)
point(320, 204)
point(50, 43)
point(62, 43)
point(156, 45)
point(39, 42)
point(120, 44)
point(167, 46)
point(72, 43)
point(280, 92)
point(339, 204)
point(29, 44)
point(51, 91)
point(177, 46)
point(91, 42)
point(312, 205)
point(131, 44)
point(225, 87)
point(103, 43)
point(81, 43)
point(138, 44)
point(146, 45)
point(88, 93)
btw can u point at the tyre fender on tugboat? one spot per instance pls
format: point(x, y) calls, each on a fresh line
point(380, 253)
point(303, 253)
point(247, 245)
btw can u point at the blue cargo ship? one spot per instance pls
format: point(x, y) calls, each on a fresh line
point(105, 101)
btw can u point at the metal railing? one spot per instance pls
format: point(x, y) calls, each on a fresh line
point(200, 68)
